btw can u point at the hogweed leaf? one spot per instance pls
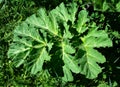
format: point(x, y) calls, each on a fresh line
point(88, 63)
point(67, 74)
point(70, 63)
point(16, 49)
point(25, 31)
point(53, 23)
point(67, 33)
point(61, 12)
point(73, 10)
point(43, 21)
point(38, 63)
point(96, 38)
point(82, 19)
point(68, 59)
point(26, 40)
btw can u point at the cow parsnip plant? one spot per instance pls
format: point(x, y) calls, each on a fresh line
point(61, 42)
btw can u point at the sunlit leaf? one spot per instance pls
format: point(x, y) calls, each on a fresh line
point(82, 19)
point(43, 21)
point(62, 39)
point(96, 39)
point(68, 59)
point(67, 74)
point(38, 63)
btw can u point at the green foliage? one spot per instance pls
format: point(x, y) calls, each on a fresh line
point(59, 47)
point(102, 5)
point(45, 36)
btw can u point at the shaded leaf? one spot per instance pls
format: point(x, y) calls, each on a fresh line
point(67, 33)
point(118, 6)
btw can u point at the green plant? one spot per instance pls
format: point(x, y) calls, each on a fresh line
point(60, 39)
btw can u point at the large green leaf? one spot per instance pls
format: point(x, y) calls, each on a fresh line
point(38, 63)
point(96, 38)
point(61, 13)
point(68, 59)
point(88, 63)
point(67, 74)
point(43, 21)
point(26, 40)
point(81, 22)
point(73, 10)
point(90, 58)
point(25, 31)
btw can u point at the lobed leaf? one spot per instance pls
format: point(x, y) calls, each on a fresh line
point(26, 40)
point(73, 10)
point(38, 63)
point(67, 74)
point(62, 13)
point(24, 30)
point(67, 33)
point(88, 63)
point(82, 19)
point(96, 39)
point(16, 49)
point(68, 59)
point(43, 21)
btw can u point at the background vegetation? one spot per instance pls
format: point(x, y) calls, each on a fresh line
point(104, 12)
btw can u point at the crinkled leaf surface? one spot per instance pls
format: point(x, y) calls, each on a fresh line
point(26, 40)
point(82, 19)
point(43, 21)
point(69, 61)
point(96, 38)
point(88, 63)
point(67, 33)
point(73, 11)
point(44, 35)
point(38, 63)
point(67, 74)
point(65, 14)
point(62, 13)
point(28, 32)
